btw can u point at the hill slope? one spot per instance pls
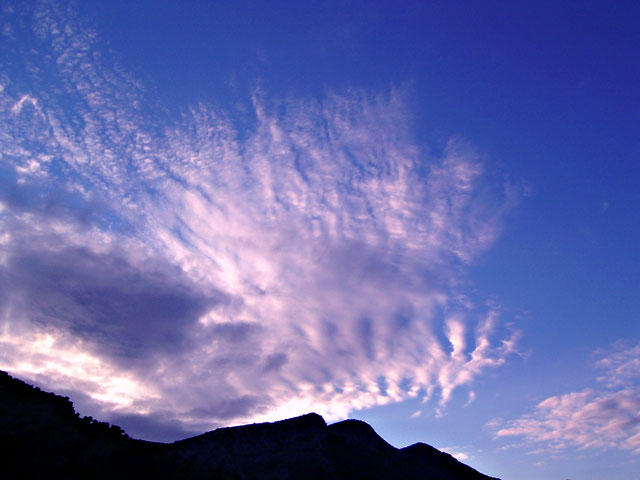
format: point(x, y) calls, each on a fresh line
point(41, 436)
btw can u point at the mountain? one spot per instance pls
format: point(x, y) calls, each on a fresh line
point(42, 437)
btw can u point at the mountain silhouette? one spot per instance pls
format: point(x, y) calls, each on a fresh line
point(42, 437)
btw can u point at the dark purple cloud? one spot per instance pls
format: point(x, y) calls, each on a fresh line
point(102, 298)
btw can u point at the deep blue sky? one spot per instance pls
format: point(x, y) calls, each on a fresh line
point(346, 191)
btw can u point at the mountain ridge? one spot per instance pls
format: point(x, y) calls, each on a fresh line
point(43, 437)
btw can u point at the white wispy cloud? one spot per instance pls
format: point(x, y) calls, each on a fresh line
point(208, 275)
point(591, 418)
point(621, 364)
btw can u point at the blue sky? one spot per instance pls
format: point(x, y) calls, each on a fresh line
point(420, 214)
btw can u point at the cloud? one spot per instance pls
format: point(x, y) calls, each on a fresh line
point(460, 456)
point(101, 295)
point(154, 425)
point(621, 364)
point(188, 269)
point(590, 418)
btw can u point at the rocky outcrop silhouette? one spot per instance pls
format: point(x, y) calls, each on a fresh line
point(42, 437)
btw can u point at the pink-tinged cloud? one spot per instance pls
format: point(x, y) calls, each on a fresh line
point(591, 418)
point(191, 272)
point(621, 364)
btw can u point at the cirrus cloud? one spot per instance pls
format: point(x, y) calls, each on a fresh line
point(314, 261)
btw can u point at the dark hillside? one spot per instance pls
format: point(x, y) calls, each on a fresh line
point(41, 436)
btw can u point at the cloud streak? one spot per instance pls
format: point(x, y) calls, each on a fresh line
point(311, 261)
point(590, 418)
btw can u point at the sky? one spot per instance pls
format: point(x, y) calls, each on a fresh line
point(424, 215)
